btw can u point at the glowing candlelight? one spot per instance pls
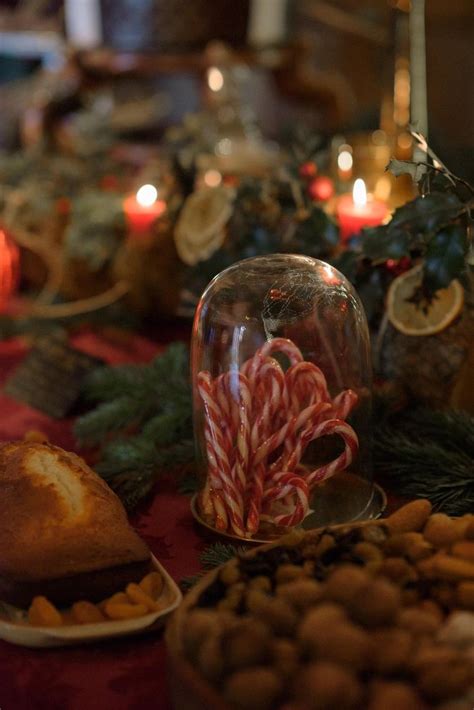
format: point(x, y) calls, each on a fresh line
point(359, 193)
point(357, 211)
point(142, 209)
point(9, 269)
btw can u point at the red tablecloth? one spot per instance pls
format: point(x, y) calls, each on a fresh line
point(125, 674)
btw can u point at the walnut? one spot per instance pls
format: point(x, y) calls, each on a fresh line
point(253, 689)
point(376, 603)
point(327, 686)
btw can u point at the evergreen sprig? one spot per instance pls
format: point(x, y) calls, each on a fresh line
point(429, 454)
point(143, 420)
point(212, 556)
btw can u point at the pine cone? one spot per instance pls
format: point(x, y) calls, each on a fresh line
point(434, 370)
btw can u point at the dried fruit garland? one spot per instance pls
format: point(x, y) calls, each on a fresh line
point(256, 414)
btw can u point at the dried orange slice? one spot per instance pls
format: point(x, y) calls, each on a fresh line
point(412, 319)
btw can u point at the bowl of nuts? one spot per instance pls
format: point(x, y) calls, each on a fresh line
point(364, 616)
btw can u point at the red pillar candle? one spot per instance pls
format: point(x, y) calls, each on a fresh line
point(142, 209)
point(356, 211)
point(9, 268)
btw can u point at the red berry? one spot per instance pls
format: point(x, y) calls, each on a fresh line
point(109, 183)
point(308, 170)
point(63, 206)
point(321, 189)
point(398, 266)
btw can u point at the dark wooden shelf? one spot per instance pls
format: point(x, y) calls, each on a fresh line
point(108, 62)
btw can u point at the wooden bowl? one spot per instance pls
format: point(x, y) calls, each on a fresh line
point(190, 690)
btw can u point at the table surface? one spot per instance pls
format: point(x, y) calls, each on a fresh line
point(127, 673)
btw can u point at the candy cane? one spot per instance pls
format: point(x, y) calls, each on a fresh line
point(249, 415)
point(295, 423)
point(344, 403)
point(270, 386)
point(351, 446)
point(271, 395)
point(251, 366)
point(305, 378)
point(218, 460)
point(294, 444)
point(285, 484)
point(239, 471)
point(281, 345)
point(219, 387)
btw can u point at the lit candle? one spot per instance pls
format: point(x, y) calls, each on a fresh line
point(355, 211)
point(142, 209)
point(9, 271)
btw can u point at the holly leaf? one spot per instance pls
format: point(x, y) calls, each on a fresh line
point(371, 292)
point(347, 263)
point(406, 167)
point(381, 243)
point(426, 214)
point(316, 235)
point(445, 257)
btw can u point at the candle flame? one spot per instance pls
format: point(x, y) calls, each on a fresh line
point(359, 193)
point(147, 195)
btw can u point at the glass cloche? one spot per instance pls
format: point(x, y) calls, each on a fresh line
point(282, 399)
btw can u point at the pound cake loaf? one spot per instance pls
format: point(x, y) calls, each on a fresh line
point(64, 534)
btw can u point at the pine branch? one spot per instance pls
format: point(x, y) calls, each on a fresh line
point(180, 453)
point(112, 416)
point(126, 455)
point(216, 554)
point(455, 429)
point(427, 454)
point(108, 383)
point(162, 428)
point(144, 420)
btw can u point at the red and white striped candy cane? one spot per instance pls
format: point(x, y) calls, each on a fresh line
point(212, 506)
point(251, 366)
point(281, 345)
point(241, 394)
point(271, 377)
point(307, 385)
point(344, 403)
point(294, 424)
point(218, 460)
point(285, 485)
point(220, 510)
point(270, 397)
point(296, 444)
point(351, 447)
point(219, 391)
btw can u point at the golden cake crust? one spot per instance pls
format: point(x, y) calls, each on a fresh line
point(58, 518)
